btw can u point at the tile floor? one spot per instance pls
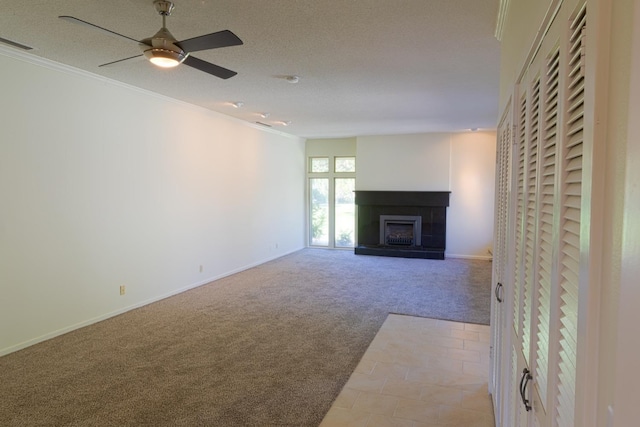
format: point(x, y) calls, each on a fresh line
point(419, 372)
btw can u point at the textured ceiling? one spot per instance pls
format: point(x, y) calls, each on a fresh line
point(366, 67)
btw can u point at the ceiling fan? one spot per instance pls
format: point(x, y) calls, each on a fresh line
point(164, 50)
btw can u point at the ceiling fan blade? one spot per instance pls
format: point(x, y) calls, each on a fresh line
point(95, 27)
point(120, 60)
point(210, 41)
point(208, 67)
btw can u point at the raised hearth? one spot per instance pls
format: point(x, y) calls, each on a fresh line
point(408, 224)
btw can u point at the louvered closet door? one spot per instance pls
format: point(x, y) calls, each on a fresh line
point(500, 262)
point(521, 296)
point(545, 209)
point(571, 200)
point(539, 265)
point(520, 173)
point(529, 221)
point(546, 268)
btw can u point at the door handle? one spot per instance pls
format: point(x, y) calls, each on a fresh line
point(497, 291)
point(526, 377)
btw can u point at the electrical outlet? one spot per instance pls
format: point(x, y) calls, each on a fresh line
point(122, 289)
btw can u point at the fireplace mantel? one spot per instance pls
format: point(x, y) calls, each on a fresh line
point(430, 205)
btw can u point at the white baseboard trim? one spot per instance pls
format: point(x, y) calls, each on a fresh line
point(139, 304)
point(482, 257)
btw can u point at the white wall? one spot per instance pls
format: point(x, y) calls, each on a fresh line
point(338, 147)
point(403, 162)
point(463, 163)
point(470, 217)
point(103, 185)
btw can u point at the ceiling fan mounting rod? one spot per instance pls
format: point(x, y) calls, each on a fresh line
point(164, 7)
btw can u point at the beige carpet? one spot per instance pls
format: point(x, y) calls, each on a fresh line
point(271, 346)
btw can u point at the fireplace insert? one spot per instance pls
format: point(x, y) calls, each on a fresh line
point(402, 230)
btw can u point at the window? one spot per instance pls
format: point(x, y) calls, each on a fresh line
point(319, 164)
point(345, 164)
point(332, 201)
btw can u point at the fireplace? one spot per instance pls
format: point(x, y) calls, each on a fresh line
point(409, 224)
point(400, 230)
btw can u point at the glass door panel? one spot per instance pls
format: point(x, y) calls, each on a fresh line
point(345, 212)
point(319, 190)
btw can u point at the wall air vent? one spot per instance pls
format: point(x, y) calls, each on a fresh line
point(14, 44)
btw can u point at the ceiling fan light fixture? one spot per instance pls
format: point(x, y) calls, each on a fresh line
point(164, 58)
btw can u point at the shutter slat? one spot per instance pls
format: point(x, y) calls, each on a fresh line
point(576, 100)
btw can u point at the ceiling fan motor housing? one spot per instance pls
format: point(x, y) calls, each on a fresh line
point(162, 48)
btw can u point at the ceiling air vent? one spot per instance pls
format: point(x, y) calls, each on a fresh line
point(14, 44)
point(263, 124)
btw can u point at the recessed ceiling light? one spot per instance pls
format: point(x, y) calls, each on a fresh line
point(474, 129)
point(292, 79)
point(283, 123)
point(237, 104)
point(265, 115)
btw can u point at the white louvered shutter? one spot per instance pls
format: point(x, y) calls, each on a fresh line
point(519, 220)
point(571, 195)
point(503, 198)
point(500, 257)
point(530, 217)
point(546, 220)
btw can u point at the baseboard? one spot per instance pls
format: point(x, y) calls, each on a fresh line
point(139, 304)
point(482, 257)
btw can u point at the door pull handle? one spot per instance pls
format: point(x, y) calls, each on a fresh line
point(497, 291)
point(526, 377)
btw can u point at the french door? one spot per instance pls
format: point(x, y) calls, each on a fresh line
point(332, 207)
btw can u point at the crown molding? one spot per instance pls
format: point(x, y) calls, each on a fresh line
point(503, 8)
point(67, 69)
